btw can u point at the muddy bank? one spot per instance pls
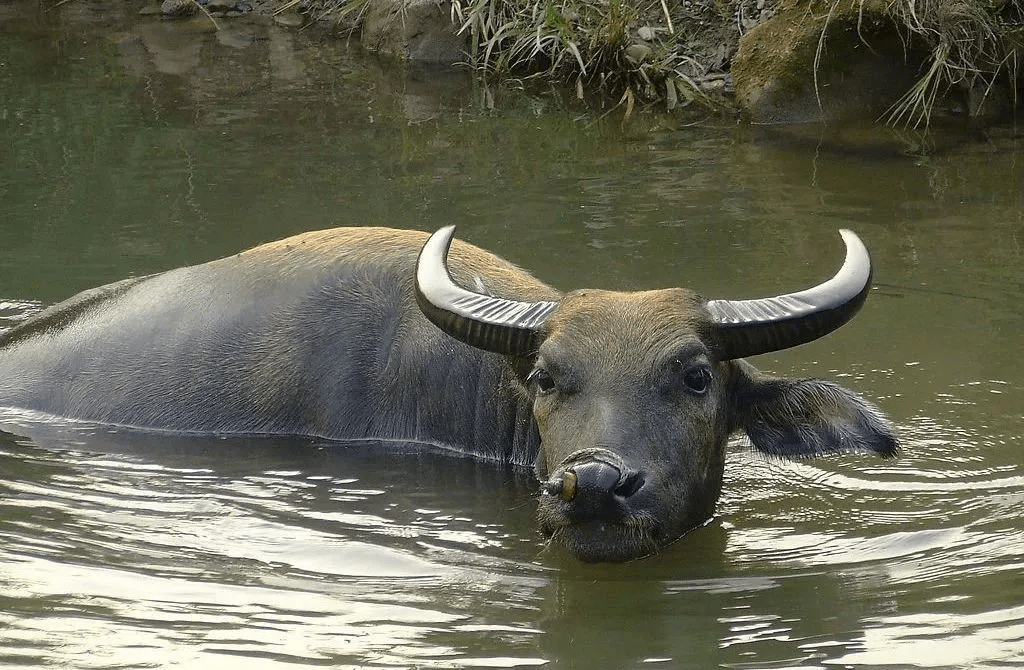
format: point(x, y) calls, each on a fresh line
point(772, 61)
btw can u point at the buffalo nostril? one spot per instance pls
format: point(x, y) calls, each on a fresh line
point(568, 491)
point(564, 486)
point(629, 484)
point(593, 485)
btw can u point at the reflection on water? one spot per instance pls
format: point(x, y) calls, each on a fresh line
point(150, 145)
point(274, 549)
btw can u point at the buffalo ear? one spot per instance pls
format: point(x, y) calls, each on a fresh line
point(810, 417)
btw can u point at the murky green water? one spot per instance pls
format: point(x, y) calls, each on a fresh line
point(146, 146)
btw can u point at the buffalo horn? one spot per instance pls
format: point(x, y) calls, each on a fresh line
point(493, 324)
point(750, 327)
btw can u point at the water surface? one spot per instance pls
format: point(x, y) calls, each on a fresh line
point(131, 146)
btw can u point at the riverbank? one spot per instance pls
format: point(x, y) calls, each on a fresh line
point(901, 62)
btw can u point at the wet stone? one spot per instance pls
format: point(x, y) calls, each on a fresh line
point(638, 53)
point(178, 8)
point(289, 20)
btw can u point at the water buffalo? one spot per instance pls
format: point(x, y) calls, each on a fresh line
point(622, 402)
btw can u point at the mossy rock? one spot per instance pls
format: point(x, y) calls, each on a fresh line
point(812, 62)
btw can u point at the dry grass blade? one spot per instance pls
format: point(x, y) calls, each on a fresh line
point(571, 46)
point(285, 7)
point(668, 18)
point(56, 5)
point(917, 103)
point(216, 26)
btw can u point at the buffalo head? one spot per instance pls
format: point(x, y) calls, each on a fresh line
point(635, 394)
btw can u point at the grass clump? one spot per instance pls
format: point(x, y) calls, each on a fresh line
point(972, 43)
point(634, 51)
point(674, 52)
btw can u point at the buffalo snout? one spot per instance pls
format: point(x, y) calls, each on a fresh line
point(594, 485)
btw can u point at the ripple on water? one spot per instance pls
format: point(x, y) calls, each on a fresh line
point(287, 552)
point(943, 639)
point(13, 311)
point(190, 561)
point(947, 512)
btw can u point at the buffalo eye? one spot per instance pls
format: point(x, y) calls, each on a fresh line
point(697, 380)
point(542, 379)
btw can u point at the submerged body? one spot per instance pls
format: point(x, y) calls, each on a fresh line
point(316, 335)
point(622, 402)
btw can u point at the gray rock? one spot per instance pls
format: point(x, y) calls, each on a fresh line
point(289, 20)
point(178, 7)
point(785, 71)
point(638, 53)
point(419, 30)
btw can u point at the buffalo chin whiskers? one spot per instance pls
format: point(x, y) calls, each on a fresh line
point(631, 538)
